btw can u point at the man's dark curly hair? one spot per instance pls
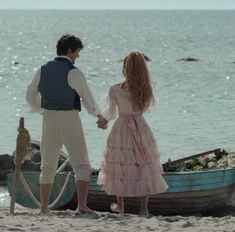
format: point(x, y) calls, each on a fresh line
point(67, 42)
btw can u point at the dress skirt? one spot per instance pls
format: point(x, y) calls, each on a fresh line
point(131, 165)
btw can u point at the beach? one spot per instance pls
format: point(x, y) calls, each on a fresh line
point(192, 66)
point(61, 221)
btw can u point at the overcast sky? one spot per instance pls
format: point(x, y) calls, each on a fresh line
point(117, 4)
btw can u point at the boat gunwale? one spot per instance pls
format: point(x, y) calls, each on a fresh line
point(199, 171)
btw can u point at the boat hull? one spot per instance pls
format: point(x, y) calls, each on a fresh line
point(188, 193)
point(183, 203)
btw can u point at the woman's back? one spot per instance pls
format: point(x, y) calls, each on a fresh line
point(123, 100)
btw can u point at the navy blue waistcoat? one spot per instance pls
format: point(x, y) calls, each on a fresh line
point(53, 86)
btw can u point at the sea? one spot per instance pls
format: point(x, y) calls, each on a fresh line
point(196, 107)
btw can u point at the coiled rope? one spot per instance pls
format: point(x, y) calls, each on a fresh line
point(35, 200)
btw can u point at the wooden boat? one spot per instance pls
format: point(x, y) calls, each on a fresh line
point(189, 193)
point(197, 192)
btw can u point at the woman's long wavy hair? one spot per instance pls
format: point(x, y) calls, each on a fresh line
point(138, 81)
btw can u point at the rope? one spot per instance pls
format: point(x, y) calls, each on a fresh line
point(61, 192)
point(34, 199)
point(28, 190)
point(62, 166)
point(22, 146)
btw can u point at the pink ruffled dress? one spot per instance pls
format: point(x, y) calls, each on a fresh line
point(131, 164)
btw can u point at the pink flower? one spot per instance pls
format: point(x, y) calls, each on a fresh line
point(211, 164)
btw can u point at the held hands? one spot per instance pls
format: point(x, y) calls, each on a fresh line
point(102, 122)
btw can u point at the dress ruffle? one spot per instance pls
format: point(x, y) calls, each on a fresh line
point(131, 165)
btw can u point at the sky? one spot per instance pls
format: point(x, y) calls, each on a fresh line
point(117, 4)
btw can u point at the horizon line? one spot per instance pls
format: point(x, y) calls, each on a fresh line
point(117, 8)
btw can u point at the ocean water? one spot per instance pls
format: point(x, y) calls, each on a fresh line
point(196, 99)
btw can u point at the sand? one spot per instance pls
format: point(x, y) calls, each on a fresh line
point(66, 221)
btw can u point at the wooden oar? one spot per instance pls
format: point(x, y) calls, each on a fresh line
point(168, 163)
point(22, 151)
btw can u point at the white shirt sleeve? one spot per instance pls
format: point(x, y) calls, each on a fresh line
point(77, 81)
point(109, 105)
point(33, 96)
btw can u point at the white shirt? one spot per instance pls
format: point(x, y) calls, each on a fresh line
point(76, 80)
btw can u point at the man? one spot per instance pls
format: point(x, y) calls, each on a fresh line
point(56, 89)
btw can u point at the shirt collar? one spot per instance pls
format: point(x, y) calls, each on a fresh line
point(66, 57)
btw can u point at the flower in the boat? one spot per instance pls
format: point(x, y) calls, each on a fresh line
point(209, 157)
point(205, 157)
point(211, 164)
point(212, 156)
point(202, 161)
point(231, 162)
point(197, 168)
point(222, 163)
point(210, 161)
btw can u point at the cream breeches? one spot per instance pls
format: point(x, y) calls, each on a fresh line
point(63, 128)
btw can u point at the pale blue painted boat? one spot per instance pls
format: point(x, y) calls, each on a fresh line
point(32, 178)
point(189, 193)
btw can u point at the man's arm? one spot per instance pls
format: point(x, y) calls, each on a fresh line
point(33, 97)
point(77, 81)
